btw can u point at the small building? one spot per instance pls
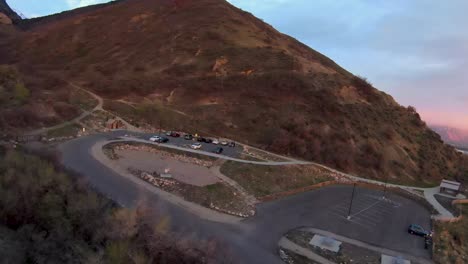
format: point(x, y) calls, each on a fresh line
point(450, 187)
point(114, 124)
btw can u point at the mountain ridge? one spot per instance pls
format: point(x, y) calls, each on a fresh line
point(453, 136)
point(231, 75)
point(6, 10)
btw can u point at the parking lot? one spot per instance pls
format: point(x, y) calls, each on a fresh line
point(367, 210)
point(233, 152)
point(376, 221)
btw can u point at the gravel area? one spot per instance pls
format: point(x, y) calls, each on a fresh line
point(182, 171)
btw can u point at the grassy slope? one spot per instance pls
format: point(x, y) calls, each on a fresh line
point(451, 240)
point(296, 101)
point(265, 180)
point(56, 219)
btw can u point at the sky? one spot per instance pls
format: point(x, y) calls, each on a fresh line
point(414, 50)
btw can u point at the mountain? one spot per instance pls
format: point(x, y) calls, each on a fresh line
point(7, 15)
point(209, 67)
point(454, 136)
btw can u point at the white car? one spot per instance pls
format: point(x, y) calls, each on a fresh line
point(215, 141)
point(155, 138)
point(196, 145)
point(224, 143)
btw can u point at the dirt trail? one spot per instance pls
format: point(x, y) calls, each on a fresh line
point(84, 114)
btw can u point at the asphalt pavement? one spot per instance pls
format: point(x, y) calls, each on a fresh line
point(375, 221)
point(233, 152)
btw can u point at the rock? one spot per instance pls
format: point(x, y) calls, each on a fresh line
point(5, 20)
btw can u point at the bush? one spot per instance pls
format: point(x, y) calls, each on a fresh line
point(60, 220)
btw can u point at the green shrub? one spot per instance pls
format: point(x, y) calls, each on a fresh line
point(21, 92)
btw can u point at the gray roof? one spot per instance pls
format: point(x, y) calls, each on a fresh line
point(452, 185)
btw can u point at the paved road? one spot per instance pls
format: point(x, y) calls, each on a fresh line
point(207, 149)
point(181, 142)
point(254, 240)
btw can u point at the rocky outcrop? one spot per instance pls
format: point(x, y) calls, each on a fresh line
point(5, 20)
point(7, 15)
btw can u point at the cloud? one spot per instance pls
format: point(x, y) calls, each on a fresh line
point(81, 3)
point(414, 50)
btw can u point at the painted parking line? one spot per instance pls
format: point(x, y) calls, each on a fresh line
point(340, 212)
point(365, 209)
point(369, 217)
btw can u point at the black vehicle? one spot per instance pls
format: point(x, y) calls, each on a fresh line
point(188, 137)
point(418, 230)
point(163, 140)
point(208, 140)
point(201, 139)
point(218, 150)
point(232, 144)
point(174, 134)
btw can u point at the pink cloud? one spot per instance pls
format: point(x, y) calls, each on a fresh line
point(445, 118)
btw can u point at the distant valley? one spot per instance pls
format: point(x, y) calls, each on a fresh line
point(453, 136)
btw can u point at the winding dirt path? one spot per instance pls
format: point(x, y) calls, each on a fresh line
point(98, 107)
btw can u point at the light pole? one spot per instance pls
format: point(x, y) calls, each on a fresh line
point(385, 188)
point(160, 127)
point(351, 203)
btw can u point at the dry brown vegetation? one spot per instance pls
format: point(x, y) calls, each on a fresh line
point(294, 100)
point(261, 180)
point(50, 217)
point(25, 104)
point(451, 240)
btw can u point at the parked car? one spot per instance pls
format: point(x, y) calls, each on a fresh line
point(208, 140)
point(154, 138)
point(163, 140)
point(218, 150)
point(200, 139)
point(215, 141)
point(232, 144)
point(418, 230)
point(168, 133)
point(174, 134)
point(224, 143)
point(196, 145)
point(188, 137)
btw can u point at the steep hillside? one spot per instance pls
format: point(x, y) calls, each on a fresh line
point(7, 15)
point(207, 66)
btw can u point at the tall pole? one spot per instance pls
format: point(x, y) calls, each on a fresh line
point(160, 127)
point(385, 188)
point(351, 203)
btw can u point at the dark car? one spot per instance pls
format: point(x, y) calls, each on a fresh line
point(218, 150)
point(163, 140)
point(208, 140)
point(232, 144)
point(200, 139)
point(174, 134)
point(188, 137)
point(418, 230)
